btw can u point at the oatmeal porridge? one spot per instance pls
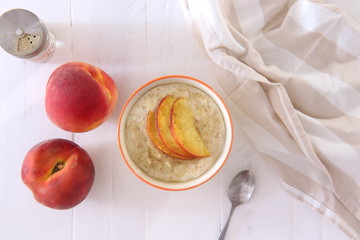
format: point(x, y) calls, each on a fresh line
point(208, 121)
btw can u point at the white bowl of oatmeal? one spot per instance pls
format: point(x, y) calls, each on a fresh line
point(197, 160)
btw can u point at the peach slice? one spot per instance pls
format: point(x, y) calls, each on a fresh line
point(155, 138)
point(163, 127)
point(184, 130)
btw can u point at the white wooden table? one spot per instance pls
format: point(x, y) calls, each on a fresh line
point(133, 41)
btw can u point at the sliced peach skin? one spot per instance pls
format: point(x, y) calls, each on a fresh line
point(155, 138)
point(184, 130)
point(163, 127)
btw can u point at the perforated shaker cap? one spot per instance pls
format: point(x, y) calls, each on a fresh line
point(22, 33)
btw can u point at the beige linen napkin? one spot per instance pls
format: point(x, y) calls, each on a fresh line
point(293, 70)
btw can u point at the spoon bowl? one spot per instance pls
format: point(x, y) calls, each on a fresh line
point(240, 191)
point(241, 187)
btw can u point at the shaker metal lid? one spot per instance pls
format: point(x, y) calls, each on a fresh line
point(22, 33)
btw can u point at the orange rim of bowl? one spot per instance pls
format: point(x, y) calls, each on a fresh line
point(155, 80)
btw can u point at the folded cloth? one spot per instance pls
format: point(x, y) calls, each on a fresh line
point(293, 71)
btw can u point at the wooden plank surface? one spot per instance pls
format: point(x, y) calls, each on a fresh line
point(133, 41)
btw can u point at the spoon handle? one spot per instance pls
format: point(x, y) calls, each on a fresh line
point(223, 231)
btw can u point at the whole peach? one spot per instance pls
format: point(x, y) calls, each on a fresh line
point(58, 172)
point(79, 97)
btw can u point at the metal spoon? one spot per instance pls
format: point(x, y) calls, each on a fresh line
point(240, 191)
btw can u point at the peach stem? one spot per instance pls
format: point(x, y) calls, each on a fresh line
point(58, 166)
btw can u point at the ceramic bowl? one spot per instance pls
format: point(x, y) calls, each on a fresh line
point(220, 161)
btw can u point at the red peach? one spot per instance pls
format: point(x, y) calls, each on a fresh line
point(59, 173)
point(79, 97)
